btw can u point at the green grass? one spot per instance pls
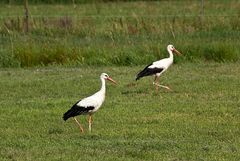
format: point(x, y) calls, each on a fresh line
point(199, 120)
point(120, 33)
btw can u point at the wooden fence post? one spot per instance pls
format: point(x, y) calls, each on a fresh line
point(74, 5)
point(202, 7)
point(202, 11)
point(26, 18)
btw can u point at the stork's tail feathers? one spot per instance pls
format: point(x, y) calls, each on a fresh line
point(69, 113)
point(138, 77)
point(143, 73)
point(148, 71)
point(76, 110)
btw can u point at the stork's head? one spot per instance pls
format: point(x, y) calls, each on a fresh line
point(106, 77)
point(172, 48)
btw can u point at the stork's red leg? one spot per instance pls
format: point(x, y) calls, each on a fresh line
point(90, 122)
point(156, 80)
point(156, 83)
point(80, 126)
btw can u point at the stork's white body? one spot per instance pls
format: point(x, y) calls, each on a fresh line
point(96, 100)
point(163, 63)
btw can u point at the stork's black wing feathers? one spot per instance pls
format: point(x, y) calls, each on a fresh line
point(148, 71)
point(76, 110)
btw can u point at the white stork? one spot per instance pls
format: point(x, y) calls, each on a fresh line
point(89, 105)
point(158, 67)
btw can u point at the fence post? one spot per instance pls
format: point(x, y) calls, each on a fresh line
point(26, 19)
point(202, 11)
point(202, 7)
point(74, 5)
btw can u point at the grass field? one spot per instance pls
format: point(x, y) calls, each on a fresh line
point(69, 46)
point(199, 120)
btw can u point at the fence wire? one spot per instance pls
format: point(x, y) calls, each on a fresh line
point(115, 16)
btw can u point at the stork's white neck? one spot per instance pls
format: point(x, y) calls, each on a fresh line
point(103, 88)
point(170, 54)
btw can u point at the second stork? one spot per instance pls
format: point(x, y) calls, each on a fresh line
point(158, 67)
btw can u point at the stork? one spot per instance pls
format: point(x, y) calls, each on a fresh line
point(89, 105)
point(158, 67)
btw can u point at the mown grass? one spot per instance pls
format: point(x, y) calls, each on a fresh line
point(199, 120)
point(120, 33)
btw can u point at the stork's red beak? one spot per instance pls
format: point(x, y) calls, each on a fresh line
point(177, 52)
point(111, 80)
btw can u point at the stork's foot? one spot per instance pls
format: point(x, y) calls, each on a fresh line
point(81, 131)
point(159, 85)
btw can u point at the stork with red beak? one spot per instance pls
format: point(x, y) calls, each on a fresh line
point(158, 67)
point(89, 105)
